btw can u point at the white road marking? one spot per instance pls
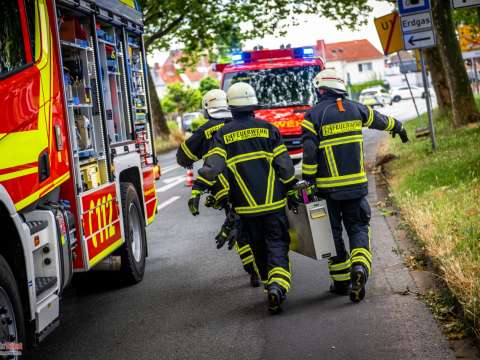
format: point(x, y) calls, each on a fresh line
point(167, 202)
point(171, 183)
point(169, 168)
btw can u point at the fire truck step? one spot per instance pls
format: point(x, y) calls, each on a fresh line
point(44, 283)
point(36, 226)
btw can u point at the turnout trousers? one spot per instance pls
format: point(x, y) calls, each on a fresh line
point(270, 241)
point(355, 215)
point(244, 251)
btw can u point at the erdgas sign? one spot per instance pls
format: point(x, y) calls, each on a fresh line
point(416, 22)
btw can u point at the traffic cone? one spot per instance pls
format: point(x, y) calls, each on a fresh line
point(189, 180)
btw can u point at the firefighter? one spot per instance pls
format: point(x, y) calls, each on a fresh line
point(333, 163)
point(260, 172)
point(215, 109)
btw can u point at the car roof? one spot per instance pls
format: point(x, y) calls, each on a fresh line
point(373, 88)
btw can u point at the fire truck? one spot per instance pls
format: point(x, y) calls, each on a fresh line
point(77, 163)
point(282, 79)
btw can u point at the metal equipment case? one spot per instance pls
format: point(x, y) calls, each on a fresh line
point(311, 234)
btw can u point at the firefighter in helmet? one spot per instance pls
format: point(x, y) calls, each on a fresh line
point(260, 173)
point(216, 111)
point(333, 164)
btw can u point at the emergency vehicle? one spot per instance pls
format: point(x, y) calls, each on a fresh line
point(282, 79)
point(77, 163)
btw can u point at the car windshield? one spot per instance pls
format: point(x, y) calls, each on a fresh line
point(278, 87)
point(369, 93)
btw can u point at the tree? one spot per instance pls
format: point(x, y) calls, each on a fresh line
point(203, 26)
point(207, 84)
point(464, 108)
point(439, 79)
point(181, 99)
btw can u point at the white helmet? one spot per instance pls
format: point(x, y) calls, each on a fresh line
point(242, 96)
point(328, 78)
point(214, 103)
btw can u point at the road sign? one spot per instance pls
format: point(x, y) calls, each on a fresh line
point(458, 4)
point(389, 32)
point(416, 22)
point(419, 40)
point(412, 6)
point(469, 37)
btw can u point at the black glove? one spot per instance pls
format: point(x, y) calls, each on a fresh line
point(292, 200)
point(230, 231)
point(402, 133)
point(210, 201)
point(194, 202)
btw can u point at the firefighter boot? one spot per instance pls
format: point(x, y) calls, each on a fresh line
point(359, 279)
point(276, 296)
point(341, 288)
point(254, 280)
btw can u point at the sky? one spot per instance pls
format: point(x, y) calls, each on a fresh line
point(313, 28)
point(316, 28)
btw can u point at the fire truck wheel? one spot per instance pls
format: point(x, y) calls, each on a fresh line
point(12, 325)
point(133, 250)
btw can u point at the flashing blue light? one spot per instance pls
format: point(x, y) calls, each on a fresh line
point(304, 52)
point(241, 58)
point(237, 58)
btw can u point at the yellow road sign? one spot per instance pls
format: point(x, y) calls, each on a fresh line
point(390, 33)
point(469, 37)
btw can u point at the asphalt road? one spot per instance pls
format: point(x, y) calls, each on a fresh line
point(195, 301)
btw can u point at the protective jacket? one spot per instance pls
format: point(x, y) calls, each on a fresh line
point(258, 167)
point(333, 145)
point(197, 145)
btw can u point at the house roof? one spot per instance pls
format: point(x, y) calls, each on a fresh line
point(171, 71)
point(351, 51)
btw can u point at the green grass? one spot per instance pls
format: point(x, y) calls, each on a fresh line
point(175, 138)
point(438, 195)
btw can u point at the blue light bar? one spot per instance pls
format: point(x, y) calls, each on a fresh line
point(304, 52)
point(241, 58)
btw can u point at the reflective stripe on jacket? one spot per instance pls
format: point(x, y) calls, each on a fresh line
point(333, 144)
point(259, 169)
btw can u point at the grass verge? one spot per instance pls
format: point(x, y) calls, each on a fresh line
point(438, 196)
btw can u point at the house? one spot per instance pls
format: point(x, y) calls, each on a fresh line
point(357, 61)
point(171, 71)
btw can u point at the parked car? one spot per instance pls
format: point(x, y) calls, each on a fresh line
point(188, 118)
point(402, 92)
point(375, 96)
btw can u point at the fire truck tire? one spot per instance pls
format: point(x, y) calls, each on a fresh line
point(12, 324)
point(133, 250)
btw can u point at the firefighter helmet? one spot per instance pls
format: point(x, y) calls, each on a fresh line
point(214, 104)
point(241, 96)
point(329, 79)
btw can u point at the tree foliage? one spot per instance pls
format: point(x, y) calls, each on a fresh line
point(181, 99)
point(207, 84)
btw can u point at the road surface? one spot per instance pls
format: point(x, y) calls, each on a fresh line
point(195, 302)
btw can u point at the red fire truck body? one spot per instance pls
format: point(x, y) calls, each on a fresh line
point(77, 164)
point(282, 79)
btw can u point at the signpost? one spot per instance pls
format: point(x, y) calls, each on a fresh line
point(458, 4)
point(389, 32)
point(417, 29)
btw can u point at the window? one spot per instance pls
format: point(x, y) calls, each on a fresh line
point(30, 11)
point(279, 87)
point(12, 55)
point(365, 67)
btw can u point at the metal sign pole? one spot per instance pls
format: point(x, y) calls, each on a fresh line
point(474, 63)
point(427, 100)
point(408, 84)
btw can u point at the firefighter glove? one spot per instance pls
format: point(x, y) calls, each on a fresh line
point(194, 202)
point(292, 200)
point(210, 201)
point(402, 133)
